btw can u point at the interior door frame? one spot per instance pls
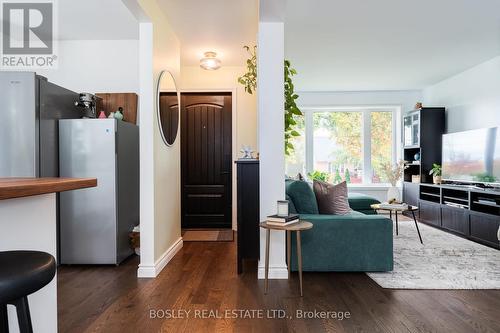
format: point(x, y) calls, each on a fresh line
point(234, 148)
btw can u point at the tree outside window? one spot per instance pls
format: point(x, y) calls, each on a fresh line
point(337, 140)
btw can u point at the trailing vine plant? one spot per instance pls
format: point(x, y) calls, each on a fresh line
point(249, 80)
point(291, 109)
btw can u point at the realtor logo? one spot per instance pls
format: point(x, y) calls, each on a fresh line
point(28, 30)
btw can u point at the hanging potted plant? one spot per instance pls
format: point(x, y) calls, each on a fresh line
point(436, 173)
point(394, 173)
point(292, 111)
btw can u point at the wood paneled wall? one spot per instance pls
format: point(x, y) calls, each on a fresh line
point(112, 101)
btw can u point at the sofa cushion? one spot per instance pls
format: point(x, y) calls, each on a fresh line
point(302, 196)
point(332, 199)
point(360, 202)
point(291, 206)
point(349, 243)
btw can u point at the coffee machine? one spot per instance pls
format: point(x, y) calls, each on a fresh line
point(90, 103)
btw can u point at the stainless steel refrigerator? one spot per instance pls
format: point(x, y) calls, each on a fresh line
point(95, 222)
point(30, 108)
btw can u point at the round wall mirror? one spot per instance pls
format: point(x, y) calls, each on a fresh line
point(168, 107)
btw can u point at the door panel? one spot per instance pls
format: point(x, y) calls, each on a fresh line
point(430, 212)
point(455, 219)
point(206, 159)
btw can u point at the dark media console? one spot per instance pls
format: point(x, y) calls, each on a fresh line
point(468, 211)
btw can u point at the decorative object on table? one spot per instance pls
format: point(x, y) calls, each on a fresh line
point(128, 101)
point(394, 173)
point(416, 157)
point(247, 151)
point(102, 115)
point(292, 111)
point(111, 115)
point(393, 205)
point(282, 208)
point(436, 173)
point(418, 106)
point(280, 220)
point(415, 179)
point(89, 104)
point(332, 199)
point(119, 113)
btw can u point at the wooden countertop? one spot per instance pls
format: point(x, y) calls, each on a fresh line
point(23, 187)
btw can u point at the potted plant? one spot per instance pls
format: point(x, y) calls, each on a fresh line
point(394, 173)
point(436, 173)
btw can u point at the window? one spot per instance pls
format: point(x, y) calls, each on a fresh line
point(381, 143)
point(295, 163)
point(338, 145)
point(351, 145)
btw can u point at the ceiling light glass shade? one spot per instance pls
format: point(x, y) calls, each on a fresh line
point(210, 62)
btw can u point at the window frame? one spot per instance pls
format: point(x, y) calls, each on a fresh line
point(308, 112)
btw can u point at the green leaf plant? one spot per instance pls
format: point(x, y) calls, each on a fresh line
point(249, 81)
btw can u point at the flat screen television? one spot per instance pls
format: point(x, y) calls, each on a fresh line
point(472, 156)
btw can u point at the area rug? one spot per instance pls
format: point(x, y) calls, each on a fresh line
point(445, 261)
point(204, 235)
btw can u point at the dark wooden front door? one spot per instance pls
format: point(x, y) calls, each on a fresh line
point(206, 160)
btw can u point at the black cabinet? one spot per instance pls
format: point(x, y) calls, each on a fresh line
point(410, 196)
point(248, 246)
point(422, 138)
point(455, 219)
point(485, 228)
point(464, 211)
point(430, 213)
point(410, 193)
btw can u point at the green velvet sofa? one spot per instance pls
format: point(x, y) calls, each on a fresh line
point(360, 241)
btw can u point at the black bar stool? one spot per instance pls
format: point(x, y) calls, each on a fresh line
point(21, 274)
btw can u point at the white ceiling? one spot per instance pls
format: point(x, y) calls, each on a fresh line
point(95, 19)
point(223, 26)
point(387, 44)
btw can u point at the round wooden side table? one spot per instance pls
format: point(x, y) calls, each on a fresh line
point(297, 227)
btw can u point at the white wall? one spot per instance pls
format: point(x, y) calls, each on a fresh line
point(225, 78)
point(160, 165)
point(404, 98)
point(271, 130)
point(97, 66)
point(194, 78)
point(471, 98)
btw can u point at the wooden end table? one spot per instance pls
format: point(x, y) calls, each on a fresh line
point(410, 208)
point(297, 227)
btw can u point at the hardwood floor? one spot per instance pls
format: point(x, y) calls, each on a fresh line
point(202, 276)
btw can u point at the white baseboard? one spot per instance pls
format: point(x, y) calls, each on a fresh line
point(152, 271)
point(274, 272)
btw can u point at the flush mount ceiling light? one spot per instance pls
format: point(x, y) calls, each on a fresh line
point(210, 62)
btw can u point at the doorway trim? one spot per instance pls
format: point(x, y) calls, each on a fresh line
point(234, 148)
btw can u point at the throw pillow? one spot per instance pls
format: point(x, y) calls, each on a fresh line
point(302, 196)
point(332, 199)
